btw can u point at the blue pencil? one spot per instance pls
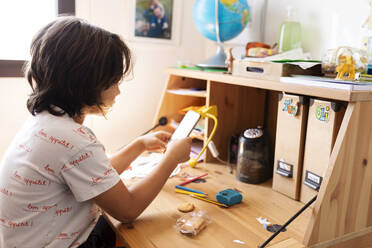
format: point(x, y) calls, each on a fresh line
point(191, 190)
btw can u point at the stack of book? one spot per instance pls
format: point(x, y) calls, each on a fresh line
point(365, 78)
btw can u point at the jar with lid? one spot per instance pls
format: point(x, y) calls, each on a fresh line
point(253, 162)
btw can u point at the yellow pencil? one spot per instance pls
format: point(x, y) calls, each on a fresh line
point(208, 200)
point(188, 193)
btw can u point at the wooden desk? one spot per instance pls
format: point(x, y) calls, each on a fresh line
point(154, 228)
point(342, 214)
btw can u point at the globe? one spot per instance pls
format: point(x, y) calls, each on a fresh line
point(233, 16)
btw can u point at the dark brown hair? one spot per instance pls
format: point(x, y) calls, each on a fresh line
point(72, 62)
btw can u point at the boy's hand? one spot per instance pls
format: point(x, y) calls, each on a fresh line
point(178, 151)
point(155, 141)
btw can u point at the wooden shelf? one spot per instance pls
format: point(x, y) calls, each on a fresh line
point(188, 92)
point(336, 94)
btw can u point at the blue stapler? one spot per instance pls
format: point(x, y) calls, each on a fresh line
point(229, 197)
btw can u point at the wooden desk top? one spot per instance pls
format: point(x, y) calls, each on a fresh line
point(154, 228)
point(336, 94)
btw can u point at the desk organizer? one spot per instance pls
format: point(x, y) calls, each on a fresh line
point(290, 134)
point(323, 124)
point(271, 70)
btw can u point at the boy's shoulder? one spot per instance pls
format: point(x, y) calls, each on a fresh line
point(63, 131)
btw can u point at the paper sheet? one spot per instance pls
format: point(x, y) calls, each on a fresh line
point(144, 165)
point(295, 54)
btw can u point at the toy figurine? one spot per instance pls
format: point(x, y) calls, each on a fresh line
point(229, 61)
point(346, 66)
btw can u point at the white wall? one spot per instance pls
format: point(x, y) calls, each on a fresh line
point(325, 23)
point(13, 111)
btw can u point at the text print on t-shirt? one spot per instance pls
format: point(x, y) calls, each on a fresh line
point(13, 224)
point(49, 170)
point(25, 148)
point(96, 180)
point(69, 236)
point(62, 211)
point(6, 192)
point(76, 162)
point(42, 134)
point(83, 133)
point(30, 181)
point(33, 208)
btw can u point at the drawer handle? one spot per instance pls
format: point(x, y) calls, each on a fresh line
point(255, 69)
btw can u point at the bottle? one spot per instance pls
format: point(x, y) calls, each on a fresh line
point(290, 32)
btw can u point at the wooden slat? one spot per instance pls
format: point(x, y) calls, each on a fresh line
point(271, 113)
point(288, 243)
point(344, 202)
point(361, 239)
point(337, 94)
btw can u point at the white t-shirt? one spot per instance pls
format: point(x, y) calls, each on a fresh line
point(48, 176)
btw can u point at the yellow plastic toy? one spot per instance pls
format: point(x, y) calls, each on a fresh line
point(206, 112)
point(346, 66)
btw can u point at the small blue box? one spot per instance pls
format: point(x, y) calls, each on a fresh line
point(229, 197)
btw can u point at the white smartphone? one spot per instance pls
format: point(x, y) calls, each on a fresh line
point(186, 126)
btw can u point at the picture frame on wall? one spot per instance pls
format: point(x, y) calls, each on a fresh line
point(156, 21)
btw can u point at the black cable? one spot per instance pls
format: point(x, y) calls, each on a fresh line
point(162, 122)
point(288, 222)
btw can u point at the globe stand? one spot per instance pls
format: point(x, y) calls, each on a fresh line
point(217, 61)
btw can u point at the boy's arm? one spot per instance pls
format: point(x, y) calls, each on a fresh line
point(126, 204)
point(123, 158)
point(151, 142)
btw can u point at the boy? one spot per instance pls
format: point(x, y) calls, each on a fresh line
point(55, 175)
point(158, 24)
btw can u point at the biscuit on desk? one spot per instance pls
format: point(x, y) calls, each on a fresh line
point(186, 207)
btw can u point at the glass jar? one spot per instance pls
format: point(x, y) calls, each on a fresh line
point(333, 57)
point(253, 163)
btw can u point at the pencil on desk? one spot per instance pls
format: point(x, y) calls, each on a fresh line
point(188, 193)
point(193, 179)
point(208, 200)
point(191, 190)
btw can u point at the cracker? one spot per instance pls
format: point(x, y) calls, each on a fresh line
point(186, 207)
